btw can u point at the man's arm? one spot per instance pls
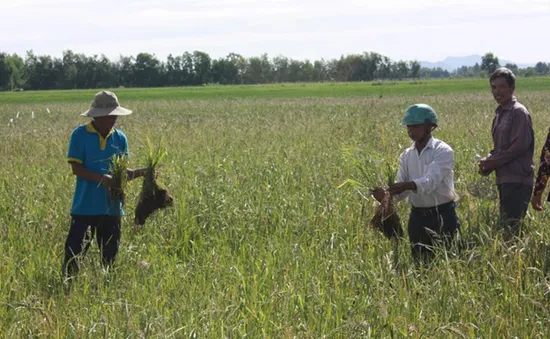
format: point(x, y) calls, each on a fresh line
point(80, 171)
point(136, 173)
point(542, 175)
point(401, 187)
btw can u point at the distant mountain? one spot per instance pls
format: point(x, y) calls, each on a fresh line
point(452, 63)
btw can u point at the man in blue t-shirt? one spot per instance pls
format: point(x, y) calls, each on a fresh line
point(91, 150)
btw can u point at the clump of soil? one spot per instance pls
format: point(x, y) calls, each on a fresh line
point(117, 194)
point(152, 198)
point(386, 219)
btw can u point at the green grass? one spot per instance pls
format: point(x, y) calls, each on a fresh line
point(316, 90)
point(260, 241)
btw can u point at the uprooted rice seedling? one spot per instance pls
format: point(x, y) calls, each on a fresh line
point(118, 170)
point(385, 218)
point(152, 197)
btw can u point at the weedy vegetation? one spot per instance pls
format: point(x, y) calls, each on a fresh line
point(260, 241)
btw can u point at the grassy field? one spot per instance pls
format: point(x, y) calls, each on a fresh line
point(276, 91)
point(261, 241)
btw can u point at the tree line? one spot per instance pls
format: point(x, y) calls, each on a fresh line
point(79, 71)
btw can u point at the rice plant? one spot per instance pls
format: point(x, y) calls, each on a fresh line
point(118, 169)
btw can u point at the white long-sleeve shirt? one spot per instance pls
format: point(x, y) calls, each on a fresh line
point(431, 171)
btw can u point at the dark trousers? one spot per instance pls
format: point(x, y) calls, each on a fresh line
point(430, 227)
point(514, 200)
point(107, 231)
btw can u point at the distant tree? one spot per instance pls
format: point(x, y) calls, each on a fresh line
point(307, 71)
point(239, 63)
point(512, 67)
point(173, 70)
point(280, 68)
point(384, 68)
point(477, 68)
point(4, 71)
point(394, 70)
point(11, 71)
point(187, 69)
point(402, 69)
point(253, 72)
point(372, 64)
point(463, 71)
point(75, 70)
point(529, 72)
point(434, 72)
point(228, 70)
point(40, 71)
point(415, 69)
point(125, 70)
point(106, 74)
point(146, 70)
point(267, 68)
point(352, 68)
point(202, 64)
point(70, 69)
point(541, 67)
point(320, 71)
point(298, 70)
point(489, 62)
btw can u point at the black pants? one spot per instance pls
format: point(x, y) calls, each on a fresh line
point(107, 231)
point(514, 200)
point(430, 227)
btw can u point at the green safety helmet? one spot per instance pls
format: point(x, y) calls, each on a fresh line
point(419, 114)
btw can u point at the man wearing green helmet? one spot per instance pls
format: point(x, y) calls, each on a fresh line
point(512, 155)
point(425, 177)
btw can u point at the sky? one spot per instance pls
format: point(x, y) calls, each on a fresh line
point(425, 30)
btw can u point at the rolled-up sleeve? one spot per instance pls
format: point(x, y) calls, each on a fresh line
point(76, 151)
point(402, 175)
point(125, 145)
point(437, 170)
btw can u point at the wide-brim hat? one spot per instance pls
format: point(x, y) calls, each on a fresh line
point(105, 104)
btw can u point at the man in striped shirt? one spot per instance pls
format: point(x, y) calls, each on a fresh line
point(512, 155)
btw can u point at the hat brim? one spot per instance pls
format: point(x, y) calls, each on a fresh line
point(104, 112)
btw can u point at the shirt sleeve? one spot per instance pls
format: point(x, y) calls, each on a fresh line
point(125, 142)
point(437, 171)
point(544, 167)
point(521, 137)
point(77, 152)
point(402, 175)
point(492, 128)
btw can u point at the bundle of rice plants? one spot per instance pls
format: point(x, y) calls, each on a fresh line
point(152, 197)
point(118, 170)
point(385, 219)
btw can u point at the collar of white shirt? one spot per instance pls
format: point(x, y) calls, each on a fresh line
point(429, 144)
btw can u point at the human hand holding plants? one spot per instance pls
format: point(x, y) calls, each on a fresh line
point(536, 202)
point(486, 166)
point(379, 194)
point(107, 181)
point(401, 187)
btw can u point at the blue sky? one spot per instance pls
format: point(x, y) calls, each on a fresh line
point(303, 29)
